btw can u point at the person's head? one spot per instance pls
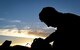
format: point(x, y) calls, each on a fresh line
point(49, 16)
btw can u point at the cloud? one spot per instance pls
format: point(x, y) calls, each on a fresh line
point(28, 32)
point(38, 33)
point(12, 21)
point(10, 26)
point(17, 33)
point(15, 21)
point(26, 27)
point(25, 36)
point(2, 19)
point(49, 30)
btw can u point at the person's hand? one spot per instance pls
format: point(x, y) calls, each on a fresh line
point(40, 43)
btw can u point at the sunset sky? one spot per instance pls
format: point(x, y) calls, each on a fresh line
point(19, 19)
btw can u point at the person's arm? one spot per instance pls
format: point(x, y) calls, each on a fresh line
point(50, 38)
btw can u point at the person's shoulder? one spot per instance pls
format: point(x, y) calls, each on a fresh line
point(72, 17)
point(70, 14)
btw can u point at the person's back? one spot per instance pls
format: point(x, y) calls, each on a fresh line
point(67, 34)
point(72, 30)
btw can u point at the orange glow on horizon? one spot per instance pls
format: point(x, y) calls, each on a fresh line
point(20, 33)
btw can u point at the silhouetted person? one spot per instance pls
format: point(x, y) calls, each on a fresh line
point(68, 28)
